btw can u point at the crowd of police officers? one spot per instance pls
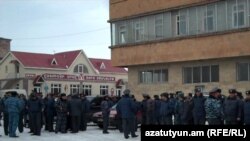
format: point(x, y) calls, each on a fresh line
point(167, 109)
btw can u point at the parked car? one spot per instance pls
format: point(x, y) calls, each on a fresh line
point(95, 105)
point(19, 91)
point(98, 119)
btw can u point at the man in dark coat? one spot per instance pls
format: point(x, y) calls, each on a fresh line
point(21, 115)
point(241, 99)
point(49, 110)
point(179, 109)
point(1, 110)
point(75, 108)
point(5, 115)
point(187, 116)
point(35, 108)
point(62, 112)
point(232, 108)
point(144, 108)
point(14, 107)
point(84, 112)
point(247, 109)
point(165, 111)
point(127, 107)
point(157, 117)
point(105, 106)
point(150, 112)
point(199, 113)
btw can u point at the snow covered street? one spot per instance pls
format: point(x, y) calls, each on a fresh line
point(93, 133)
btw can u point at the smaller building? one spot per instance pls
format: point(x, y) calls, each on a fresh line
point(66, 72)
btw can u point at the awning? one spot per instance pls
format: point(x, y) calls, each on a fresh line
point(14, 62)
point(38, 80)
point(119, 83)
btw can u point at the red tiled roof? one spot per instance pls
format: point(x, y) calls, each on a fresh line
point(108, 66)
point(63, 59)
point(44, 60)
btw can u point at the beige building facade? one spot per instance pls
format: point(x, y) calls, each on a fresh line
point(67, 72)
point(179, 45)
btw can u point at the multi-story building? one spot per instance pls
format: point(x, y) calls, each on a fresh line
point(172, 45)
point(66, 72)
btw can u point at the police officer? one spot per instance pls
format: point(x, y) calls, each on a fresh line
point(213, 107)
point(172, 103)
point(1, 110)
point(84, 112)
point(187, 116)
point(179, 109)
point(232, 108)
point(21, 115)
point(62, 111)
point(157, 104)
point(165, 111)
point(75, 108)
point(150, 112)
point(14, 107)
point(5, 115)
point(49, 110)
point(247, 108)
point(127, 107)
point(35, 108)
point(144, 108)
point(105, 106)
point(199, 113)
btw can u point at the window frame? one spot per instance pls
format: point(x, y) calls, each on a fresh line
point(206, 17)
point(238, 72)
point(140, 30)
point(104, 88)
point(201, 74)
point(124, 31)
point(87, 88)
point(159, 25)
point(237, 12)
point(56, 86)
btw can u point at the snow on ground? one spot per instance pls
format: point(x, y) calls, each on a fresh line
point(93, 133)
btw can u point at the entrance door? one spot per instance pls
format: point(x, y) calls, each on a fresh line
point(37, 89)
point(118, 92)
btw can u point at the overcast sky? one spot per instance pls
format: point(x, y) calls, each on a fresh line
point(48, 26)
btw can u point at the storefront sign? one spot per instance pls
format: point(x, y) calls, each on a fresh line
point(66, 77)
point(30, 75)
point(99, 78)
point(59, 77)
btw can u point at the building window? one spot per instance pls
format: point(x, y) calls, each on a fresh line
point(188, 75)
point(81, 68)
point(74, 89)
point(238, 15)
point(104, 90)
point(56, 88)
point(6, 69)
point(122, 34)
point(201, 74)
point(209, 18)
point(87, 89)
point(181, 23)
point(153, 76)
point(139, 31)
point(243, 72)
point(17, 86)
point(37, 89)
point(159, 26)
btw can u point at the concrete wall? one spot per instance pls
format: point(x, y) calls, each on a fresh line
point(227, 72)
point(197, 48)
point(126, 8)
